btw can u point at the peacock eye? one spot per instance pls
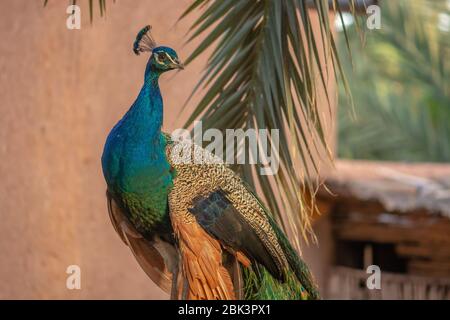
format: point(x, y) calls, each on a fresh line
point(160, 57)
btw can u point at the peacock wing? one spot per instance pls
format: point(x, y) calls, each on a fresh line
point(206, 276)
point(213, 212)
point(221, 219)
point(157, 258)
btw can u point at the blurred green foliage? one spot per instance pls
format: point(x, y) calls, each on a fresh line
point(400, 82)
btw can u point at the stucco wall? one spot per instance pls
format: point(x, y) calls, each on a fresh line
point(60, 93)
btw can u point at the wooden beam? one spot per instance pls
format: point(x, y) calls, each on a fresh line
point(429, 268)
point(383, 233)
point(430, 251)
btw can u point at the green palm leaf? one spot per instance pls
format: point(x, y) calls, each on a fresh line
point(266, 70)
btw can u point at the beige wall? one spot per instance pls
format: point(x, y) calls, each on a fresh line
point(60, 93)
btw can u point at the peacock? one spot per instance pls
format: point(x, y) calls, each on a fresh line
point(197, 230)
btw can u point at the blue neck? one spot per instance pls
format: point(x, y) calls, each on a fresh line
point(135, 143)
point(144, 119)
point(134, 160)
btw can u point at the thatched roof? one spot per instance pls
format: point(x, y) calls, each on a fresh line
point(399, 187)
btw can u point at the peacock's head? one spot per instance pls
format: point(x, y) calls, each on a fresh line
point(162, 58)
point(165, 58)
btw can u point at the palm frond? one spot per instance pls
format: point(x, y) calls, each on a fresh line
point(268, 67)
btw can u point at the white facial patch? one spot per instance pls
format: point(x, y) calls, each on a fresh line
point(164, 59)
point(171, 60)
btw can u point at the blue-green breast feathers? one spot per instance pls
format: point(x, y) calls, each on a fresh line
point(134, 161)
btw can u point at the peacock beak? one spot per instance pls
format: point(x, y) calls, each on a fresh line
point(175, 63)
point(178, 65)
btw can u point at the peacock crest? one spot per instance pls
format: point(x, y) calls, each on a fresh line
point(144, 41)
